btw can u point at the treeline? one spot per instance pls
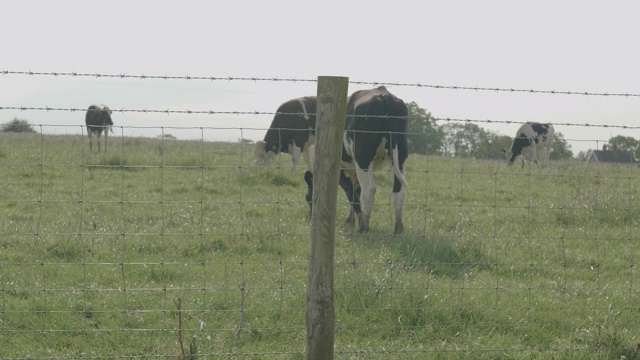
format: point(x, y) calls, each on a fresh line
point(627, 144)
point(455, 139)
point(452, 139)
point(17, 125)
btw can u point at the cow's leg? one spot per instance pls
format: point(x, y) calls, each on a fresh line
point(534, 153)
point(296, 153)
point(351, 218)
point(398, 201)
point(547, 151)
point(368, 193)
point(98, 139)
point(308, 178)
point(105, 139)
point(90, 141)
point(306, 156)
point(540, 152)
point(353, 194)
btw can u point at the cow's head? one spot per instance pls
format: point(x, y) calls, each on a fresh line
point(105, 110)
point(108, 124)
point(508, 154)
point(308, 178)
point(262, 155)
point(106, 118)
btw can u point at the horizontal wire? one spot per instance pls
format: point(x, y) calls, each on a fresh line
point(291, 328)
point(301, 234)
point(150, 111)
point(350, 264)
point(337, 351)
point(215, 112)
point(277, 79)
point(157, 77)
point(444, 287)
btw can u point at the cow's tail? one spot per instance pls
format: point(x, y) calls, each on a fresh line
point(395, 168)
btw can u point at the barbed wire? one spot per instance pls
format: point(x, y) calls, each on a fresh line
point(150, 111)
point(355, 82)
point(489, 121)
point(157, 77)
point(216, 112)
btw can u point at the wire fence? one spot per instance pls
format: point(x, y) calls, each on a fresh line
point(223, 112)
point(160, 243)
point(294, 80)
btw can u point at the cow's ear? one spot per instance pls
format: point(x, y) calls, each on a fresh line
point(308, 178)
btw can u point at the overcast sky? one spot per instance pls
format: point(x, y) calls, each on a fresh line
point(581, 46)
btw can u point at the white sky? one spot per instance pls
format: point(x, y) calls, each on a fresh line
point(551, 45)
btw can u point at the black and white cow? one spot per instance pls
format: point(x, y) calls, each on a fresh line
point(375, 135)
point(534, 137)
point(98, 119)
point(292, 131)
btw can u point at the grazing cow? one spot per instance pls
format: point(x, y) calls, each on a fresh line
point(534, 136)
point(98, 119)
point(292, 131)
point(352, 190)
point(375, 134)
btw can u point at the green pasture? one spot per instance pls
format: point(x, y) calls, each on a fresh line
point(118, 254)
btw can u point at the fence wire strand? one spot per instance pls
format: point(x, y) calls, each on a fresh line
point(294, 80)
point(239, 113)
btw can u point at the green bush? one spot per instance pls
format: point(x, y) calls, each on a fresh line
point(17, 125)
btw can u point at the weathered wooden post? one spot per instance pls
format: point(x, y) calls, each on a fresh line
point(330, 117)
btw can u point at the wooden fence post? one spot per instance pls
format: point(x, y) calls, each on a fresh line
point(330, 118)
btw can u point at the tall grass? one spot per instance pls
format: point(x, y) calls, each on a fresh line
point(495, 262)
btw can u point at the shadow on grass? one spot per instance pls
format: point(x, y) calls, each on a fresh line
point(270, 177)
point(433, 254)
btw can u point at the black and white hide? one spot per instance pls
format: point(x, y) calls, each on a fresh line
point(375, 135)
point(531, 139)
point(98, 119)
point(292, 131)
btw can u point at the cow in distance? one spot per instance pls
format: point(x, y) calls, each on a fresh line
point(98, 120)
point(292, 131)
point(534, 138)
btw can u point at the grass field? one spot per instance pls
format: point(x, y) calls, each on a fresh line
point(98, 253)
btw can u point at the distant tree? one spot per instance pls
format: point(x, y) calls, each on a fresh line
point(493, 146)
point(582, 155)
point(167, 137)
point(463, 139)
point(626, 144)
point(17, 125)
point(560, 148)
point(425, 136)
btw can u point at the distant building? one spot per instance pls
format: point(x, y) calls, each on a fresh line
point(612, 155)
